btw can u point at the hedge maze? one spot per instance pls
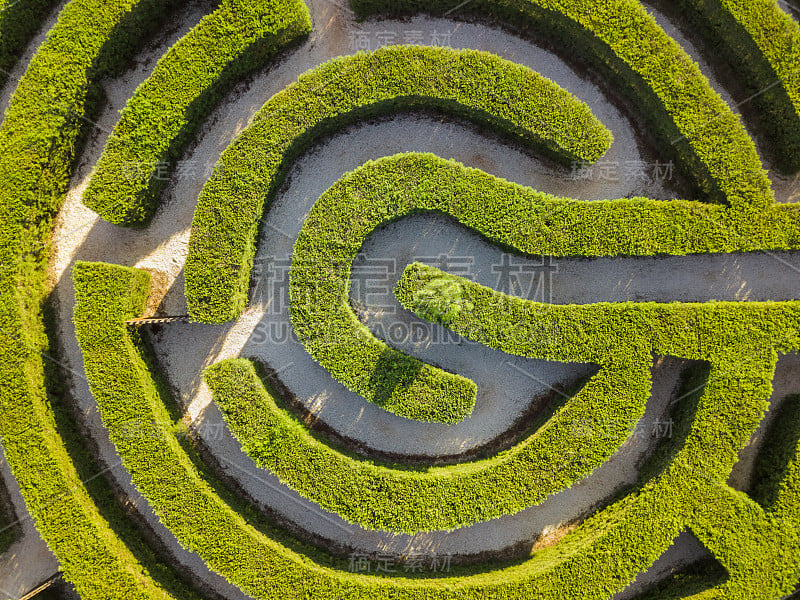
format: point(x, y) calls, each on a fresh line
point(97, 525)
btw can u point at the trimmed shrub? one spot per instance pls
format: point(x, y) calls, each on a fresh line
point(512, 216)
point(43, 127)
point(475, 85)
point(762, 45)
point(760, 550)
point(628, 43)
point(621, 39)
point(164, 113)
point(106, 295)
point(602, 556)
point(400, 498)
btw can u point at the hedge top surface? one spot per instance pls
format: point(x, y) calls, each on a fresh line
point(747, 541)
point(476, 85)
point(393, 497)
point(696, 123)
point(240, 35)
point(777, 36)
point(603, 332)
point(600, 557)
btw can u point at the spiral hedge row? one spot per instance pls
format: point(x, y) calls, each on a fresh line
point(628, 535)
point(400, 498)
point(162, 116)
point(741, 342)
point(722, 158)
point(682, 111)
point(762, 45)
point(709, 138)
point(506, 214)
point(107, 296)
point(758, 546)
point(42, 129)
point(758, 39)
point(475, 85)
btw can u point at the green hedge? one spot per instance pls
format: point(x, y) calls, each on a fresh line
point(740, 341)
point(595, 560)
point(475, 85)
point(400, 498)
point(618, 37)
point(762, 45)
point(760, 550)
point(19, 22)
point(264, 567)
point(507, 214)
point(161, 117)
point(40, 135)
point(629, 45)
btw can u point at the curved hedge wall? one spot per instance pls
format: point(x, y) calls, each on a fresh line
point(43, 126)
point(602, 556)
point(621, 39)
point(161, 117)
point(762, 45)
point(507, 214)
point(521, 104)
point(107, 295)
point(397, 498)
point(710, 139)
point(741, 340)
point(758, 546)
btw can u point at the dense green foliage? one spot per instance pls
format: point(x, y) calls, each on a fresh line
point(721, 159)
point(42, 129)
point(19, 21)
point(739, 340)
point(760, 550)
point(618, 37)
point(475, 85)
point(401, 498)
point(762, 45)
point(238, 38)
point(758, 547)
point(505, 213)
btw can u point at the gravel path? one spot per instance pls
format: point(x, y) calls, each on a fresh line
point(29, 549)
point(19, 68)
point(186, 349)
point(27, 562)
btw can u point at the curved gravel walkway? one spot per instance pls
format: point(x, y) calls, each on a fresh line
point(28, 561)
